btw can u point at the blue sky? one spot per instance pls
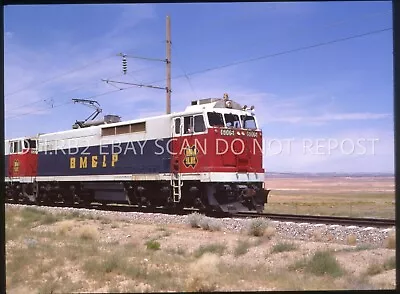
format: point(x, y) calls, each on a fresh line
point(341, 92)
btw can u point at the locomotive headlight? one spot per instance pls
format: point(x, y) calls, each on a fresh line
point(228, 103)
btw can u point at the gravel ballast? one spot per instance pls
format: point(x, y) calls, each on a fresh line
point(300, 231)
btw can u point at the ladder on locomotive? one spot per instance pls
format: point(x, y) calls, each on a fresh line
point(176, 177)
point(176, 184)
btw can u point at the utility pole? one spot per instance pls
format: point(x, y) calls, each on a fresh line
point(168, 63)
point(167, 60)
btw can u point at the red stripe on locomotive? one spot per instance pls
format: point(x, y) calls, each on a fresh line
point(22, 161)
point(239, 151)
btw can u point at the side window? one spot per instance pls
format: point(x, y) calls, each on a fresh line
point(19, 149)
point(178, 126)
point(215, 119)
point(188, 125)
point(199, 125)
point(11, 147)
point(31, 144)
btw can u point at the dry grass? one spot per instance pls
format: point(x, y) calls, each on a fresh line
point(215, 248)
point(376, 268)
point(269, 232)
point(283, 247)
point(351, 240)
point(65, 227)
point(317, 236)
point(204, 274)
point(88, 233)
point(177, 251)
point(258, 227)
point(360, 247)
point(330, 196)
point(242, 247)
point(71, 255)
point(391, 241)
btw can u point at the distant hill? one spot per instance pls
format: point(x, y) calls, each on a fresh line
point(326, 174)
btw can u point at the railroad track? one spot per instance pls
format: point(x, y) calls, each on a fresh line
point(329, 220)
point(316, 219)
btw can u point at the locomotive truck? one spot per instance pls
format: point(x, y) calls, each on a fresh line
point(207, 157)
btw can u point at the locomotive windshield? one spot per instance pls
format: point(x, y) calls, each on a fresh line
point(216, 119)
point(232, 120)
point(248, 122)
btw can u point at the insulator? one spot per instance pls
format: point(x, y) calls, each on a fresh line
point(124, 64)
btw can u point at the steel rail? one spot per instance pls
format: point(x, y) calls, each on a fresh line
point(322, 219)
point(316, 219)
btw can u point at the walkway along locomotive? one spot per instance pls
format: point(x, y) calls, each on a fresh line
point(208, 157)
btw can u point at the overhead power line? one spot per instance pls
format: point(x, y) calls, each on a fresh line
point(69, 91)
point(277, 54)
point(252, 59)
point(185, 74)
point(37, 83)
point(66, 103)
point(291, 51)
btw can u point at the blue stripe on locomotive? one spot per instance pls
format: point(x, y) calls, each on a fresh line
point(99, 160)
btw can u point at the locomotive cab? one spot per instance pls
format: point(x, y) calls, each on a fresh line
point(21, 157)
point(225, 142)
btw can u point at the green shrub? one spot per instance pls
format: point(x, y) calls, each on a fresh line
point(282, 247)
point(153, 245)
point(321, 263)
point(212, 248)
point(390, 263)
point(324, 262)
point(242, 247)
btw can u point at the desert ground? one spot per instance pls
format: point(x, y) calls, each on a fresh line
point(49, 252)
point(341, 196)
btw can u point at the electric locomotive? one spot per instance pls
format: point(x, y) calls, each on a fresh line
point(207, 157)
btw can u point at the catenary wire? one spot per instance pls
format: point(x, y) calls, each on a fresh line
point(185, 73)
point(68, 102)
point(35, 84)
point(277, 54)
point(69, 91)
point(267, 56)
